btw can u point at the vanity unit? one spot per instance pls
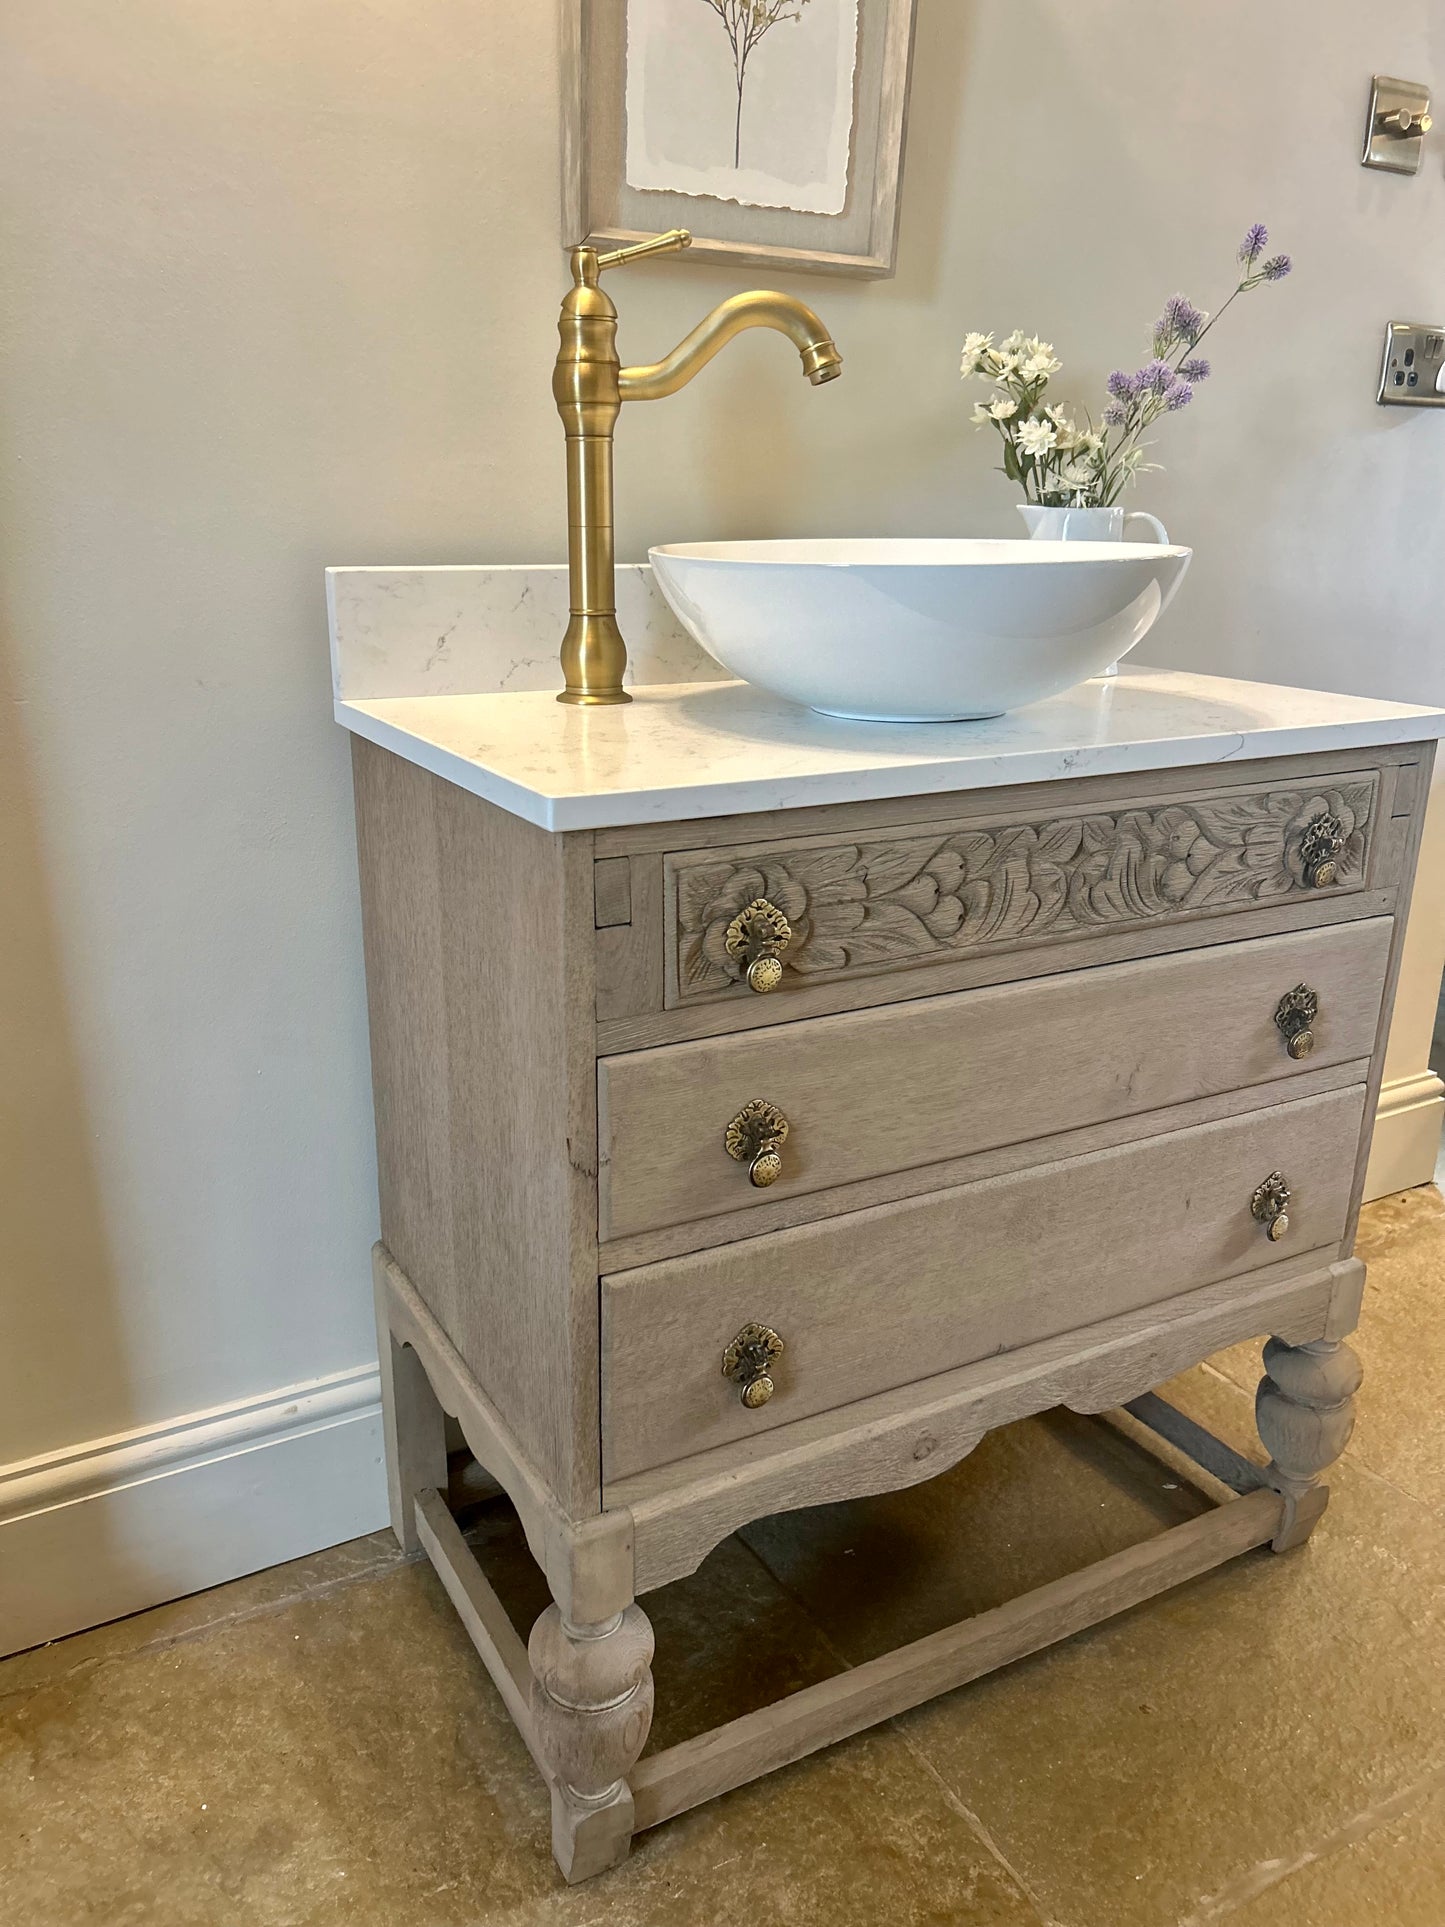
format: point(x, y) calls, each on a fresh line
point(768, 1107)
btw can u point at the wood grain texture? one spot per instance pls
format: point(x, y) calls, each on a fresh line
point(900, 1438)
point(942, 969)
point(629, 954)
point(954, 891)
point(599, 206)
point(1305, 1411)
point(413, 1424)
point(810, 1207)
point(801, 998)
point(877, 1298)
point(587, 1560)
point(697, 1770)
point(940, 1078)
point(479, 957)
point(611, 891)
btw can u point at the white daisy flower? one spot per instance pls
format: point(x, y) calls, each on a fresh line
point(1001, 409)
point(1037, 437)
point(974, 348)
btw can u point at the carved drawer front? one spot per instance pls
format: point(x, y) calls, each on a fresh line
point(770, 916)
point(911, 1084)
point(883, 1298)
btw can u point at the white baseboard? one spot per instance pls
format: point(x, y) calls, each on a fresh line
point(1406, 1146)
point(114, 1525)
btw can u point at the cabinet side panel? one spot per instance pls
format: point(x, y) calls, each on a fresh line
point(479, 963)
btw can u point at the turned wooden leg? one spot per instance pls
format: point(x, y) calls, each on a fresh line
point(414, 1427)
point(591, 1710)
point(1305, 1411)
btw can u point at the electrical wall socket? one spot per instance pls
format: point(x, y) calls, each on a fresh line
point(1413, 372)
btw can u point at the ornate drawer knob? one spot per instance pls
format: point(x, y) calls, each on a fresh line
point(1270, 1205)
point(1297, 1011)
point(755, 1137)
point(756, 939)
point(1320, 844)
point(749, 1361)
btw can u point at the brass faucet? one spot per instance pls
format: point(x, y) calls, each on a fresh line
point(590, 385)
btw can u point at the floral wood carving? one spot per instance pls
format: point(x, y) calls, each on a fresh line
point(952, 893)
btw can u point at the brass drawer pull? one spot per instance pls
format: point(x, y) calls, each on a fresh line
point(1320, 845)
point(1296, 1015)
point(755, 1138)
point(749, 1361)
point(756, 938)
point(1270, 1205)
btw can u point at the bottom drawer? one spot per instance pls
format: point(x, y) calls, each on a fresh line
point(881, 1298)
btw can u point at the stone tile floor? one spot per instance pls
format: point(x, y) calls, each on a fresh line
point(317, 1746)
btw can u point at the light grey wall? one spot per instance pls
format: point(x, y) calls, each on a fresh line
point(279, 290)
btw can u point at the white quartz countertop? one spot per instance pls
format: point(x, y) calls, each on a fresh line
point(685, 750)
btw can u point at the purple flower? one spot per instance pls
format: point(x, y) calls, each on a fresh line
point(1155, 378)
point(1278, 268)
point(1116, 415)
point(1196, 368)
point(1254, 244)
point(1180, 321)
point(1177, 396)
point(1121, 386)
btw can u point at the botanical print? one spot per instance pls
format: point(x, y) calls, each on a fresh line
point(745, 22)
point(742, 100)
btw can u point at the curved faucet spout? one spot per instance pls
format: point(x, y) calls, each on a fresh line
point(759, 309)
point(589, 387)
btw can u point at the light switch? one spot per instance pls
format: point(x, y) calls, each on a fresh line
point(1413, 372)
point(1398, 123)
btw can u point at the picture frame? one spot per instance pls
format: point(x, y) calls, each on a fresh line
point(600, 207)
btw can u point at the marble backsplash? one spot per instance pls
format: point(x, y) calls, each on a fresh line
point(485, 630)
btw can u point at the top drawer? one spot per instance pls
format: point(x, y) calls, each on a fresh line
point(930, 895)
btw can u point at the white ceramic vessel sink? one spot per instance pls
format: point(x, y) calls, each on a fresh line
point(917, 631)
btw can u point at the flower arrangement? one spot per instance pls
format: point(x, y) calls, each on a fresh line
point(1063, 465)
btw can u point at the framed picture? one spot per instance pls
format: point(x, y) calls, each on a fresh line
point(772, 129)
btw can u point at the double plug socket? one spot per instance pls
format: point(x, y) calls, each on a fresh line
point(1412, 374)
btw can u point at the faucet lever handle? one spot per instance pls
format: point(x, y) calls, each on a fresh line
point(678, 237)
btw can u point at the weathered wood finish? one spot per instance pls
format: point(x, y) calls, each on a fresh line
point(754, 1219)
point(955, 891)
point(1001, 1195)
point(881, 1298)
point(901, 1438)
point(876, 1091)
point(1305, 1412)
point(587, 1559)
point(697, 1770)
point(479, 959)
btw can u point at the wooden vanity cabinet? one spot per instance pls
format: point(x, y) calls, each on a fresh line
point(1076, 1083)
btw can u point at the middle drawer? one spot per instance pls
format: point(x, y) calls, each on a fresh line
point(871, 1092)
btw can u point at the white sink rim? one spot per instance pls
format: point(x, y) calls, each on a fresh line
point(909, 552)
point(917, 629)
